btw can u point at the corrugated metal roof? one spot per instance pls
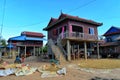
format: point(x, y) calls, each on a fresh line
point(112, 31)
point(18, 38)
point(24, 38)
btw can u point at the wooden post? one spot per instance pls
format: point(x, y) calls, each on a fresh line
point(85, 50)
point(78, 52)
point(39, 51)
point(68, 50)
point(25, 50)
point(34, 50)
point(18, 51)
point(98, 54)
point(73, 54)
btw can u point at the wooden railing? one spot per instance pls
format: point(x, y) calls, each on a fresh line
point(80, 36)
point(27, 44)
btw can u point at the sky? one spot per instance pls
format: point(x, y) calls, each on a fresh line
point(34, 15)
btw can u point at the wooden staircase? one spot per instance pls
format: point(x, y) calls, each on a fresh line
point(57, 52)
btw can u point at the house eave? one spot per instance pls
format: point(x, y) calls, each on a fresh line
point(85, 21)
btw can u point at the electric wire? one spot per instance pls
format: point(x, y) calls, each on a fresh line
point(3, 16)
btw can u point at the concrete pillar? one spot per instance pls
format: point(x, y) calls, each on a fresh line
point(85, 50)
point(68, 50)
point(98, 54)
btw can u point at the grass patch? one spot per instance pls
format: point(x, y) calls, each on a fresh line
point(100, 63)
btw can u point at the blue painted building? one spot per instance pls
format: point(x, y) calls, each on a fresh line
point(28, 43)
point(111, 46)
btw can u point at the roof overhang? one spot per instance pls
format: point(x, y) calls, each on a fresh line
point(79, 20)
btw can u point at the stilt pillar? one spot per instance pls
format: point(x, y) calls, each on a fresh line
point(98, 53)
point(34, 51)
point(68, 51)
point(85, 50)
point(25, 51)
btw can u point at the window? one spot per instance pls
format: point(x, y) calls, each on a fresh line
point(91, 31)
point(77, 29)
point(54, 32)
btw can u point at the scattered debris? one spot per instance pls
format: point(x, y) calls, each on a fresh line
point(17, 69)
point(62, 71)
point(25, 70)
point(48, 74)
point(51, 70)
point(7, 72)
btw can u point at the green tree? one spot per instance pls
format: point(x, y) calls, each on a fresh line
point(3, 42)
point(43, 49)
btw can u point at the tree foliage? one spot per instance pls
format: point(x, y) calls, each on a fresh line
point(44, 49)
point(3, 42)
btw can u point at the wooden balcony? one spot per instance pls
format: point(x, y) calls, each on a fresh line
point(28, 44)
point(80, 36)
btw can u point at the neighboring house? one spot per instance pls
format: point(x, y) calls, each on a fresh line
point(111, 46)
point(76, 35)
point(28, 43)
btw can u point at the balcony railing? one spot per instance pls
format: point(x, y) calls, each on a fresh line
point(79, 36)
point(28, 44)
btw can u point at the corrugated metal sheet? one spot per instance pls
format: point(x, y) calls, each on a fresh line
point(24, 38)
point(18, 38)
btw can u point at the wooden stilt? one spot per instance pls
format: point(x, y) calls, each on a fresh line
point(78, 52)
point(68, 50)
point(25, 51)
point(98, 54)
point(85, 50)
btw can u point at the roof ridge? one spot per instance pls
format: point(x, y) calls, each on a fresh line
point(63, 17)
point(116, 27)
point(67, 15)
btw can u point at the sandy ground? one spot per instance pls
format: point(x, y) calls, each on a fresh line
point(73, 73)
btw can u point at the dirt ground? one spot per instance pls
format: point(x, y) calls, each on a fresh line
point(73, 73)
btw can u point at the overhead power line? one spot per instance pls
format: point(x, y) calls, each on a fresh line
point(33, 24)
point(3, 15)
point(27, 25)
point(42, 21)
point(81, 6)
